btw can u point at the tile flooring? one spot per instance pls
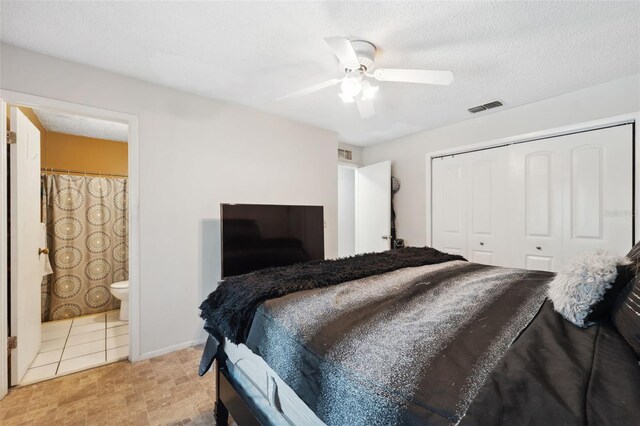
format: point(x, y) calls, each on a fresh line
point(165, 390)
point(77, 344)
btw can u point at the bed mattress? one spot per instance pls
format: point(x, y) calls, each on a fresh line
point(447, 342)
point(250, 369)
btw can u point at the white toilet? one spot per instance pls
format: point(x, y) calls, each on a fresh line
point(120, 290)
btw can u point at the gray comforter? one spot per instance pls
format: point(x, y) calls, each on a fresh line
point(411, 346)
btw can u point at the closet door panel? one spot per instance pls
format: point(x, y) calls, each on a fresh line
point(480, 212)
point(538, 194)
point(452, 199)
point(449, 182)
point(536, 205)
point(539, 263)
point(598, 186)
point(482, 256)
point(488, 237)
point(585, 186)
point(481, 197)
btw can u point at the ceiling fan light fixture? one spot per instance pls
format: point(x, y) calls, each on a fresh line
point(368, 91)
point(351, 86)
point(346, 98)
point(357, 59)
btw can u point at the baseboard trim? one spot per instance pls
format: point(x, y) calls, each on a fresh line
point(169, 349)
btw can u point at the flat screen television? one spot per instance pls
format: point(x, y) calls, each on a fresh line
point(258, 236)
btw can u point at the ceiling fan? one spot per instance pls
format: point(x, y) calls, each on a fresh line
point(358, 57)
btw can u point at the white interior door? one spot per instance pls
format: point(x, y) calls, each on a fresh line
point(449, 204)
point(26, 269)
point(598, 188)
point(373, 208)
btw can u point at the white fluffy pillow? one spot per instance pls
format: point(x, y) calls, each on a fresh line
point(582, 283)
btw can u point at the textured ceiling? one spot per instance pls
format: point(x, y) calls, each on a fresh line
point(254, 52)
point(82, 126)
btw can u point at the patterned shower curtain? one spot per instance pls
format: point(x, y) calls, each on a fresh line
point(87, 235)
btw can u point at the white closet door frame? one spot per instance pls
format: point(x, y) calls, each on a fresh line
point(543, 134)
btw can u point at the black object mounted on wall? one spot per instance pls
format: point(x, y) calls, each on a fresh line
point(395, 187)
point(259, 236)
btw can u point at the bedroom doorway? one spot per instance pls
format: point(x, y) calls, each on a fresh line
point(65, 299)
point(346, 210)
point(364, 208)
point(373, 208)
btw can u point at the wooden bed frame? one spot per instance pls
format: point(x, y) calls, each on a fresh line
point(230, 397)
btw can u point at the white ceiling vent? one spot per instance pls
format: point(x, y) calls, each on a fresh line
point(345, 154)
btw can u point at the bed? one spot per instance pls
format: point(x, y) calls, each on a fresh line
point(411, 336)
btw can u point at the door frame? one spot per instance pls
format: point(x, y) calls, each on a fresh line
point(32, 101)
point(4, 244)
point(353, 167)
point(585, 126)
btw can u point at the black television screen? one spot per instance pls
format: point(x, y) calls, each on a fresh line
point(258, 236)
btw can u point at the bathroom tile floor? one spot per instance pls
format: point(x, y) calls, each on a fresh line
point(78, 344)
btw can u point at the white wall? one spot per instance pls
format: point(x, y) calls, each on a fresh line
point(194, 154)
point(346, 211)
point(408, 153)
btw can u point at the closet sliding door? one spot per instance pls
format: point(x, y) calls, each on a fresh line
point(469, 214)
point(487, 214)
point(449, 188)
point(597, 191)
point(537, 204)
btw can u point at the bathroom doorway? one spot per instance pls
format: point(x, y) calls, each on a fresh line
point(82, 165)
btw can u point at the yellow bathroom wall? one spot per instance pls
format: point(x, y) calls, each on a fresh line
point(83, 154)
point(78, 153)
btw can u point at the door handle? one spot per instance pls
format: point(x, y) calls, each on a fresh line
point(481, 243)
point(43, 251)
point(538, 248)
point(385, 237)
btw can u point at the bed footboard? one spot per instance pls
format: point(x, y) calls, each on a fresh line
point(230, 397)
point(231, 400)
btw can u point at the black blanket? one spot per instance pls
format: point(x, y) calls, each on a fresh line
point(560, 374)
point(229, 310)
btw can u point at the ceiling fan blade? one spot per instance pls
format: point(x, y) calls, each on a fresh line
point(365, 107)
point(344, 51)
point(311, 89)
point(414, 76)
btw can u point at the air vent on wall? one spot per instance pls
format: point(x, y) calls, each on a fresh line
point(344, 154)
point(494, 104)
